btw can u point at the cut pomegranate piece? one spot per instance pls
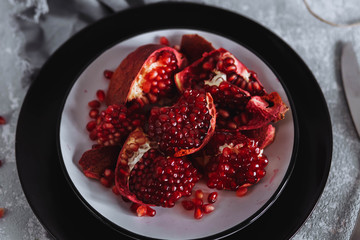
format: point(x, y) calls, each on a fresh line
point(145, 75)
point(146, 176)
point(95, 161)
point(185, 127)
point(211, 64)
point(234, 161)
point(193, 46)
point(114, 125)
point(258, 112)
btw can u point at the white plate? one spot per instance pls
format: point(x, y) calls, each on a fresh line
point(174, 223)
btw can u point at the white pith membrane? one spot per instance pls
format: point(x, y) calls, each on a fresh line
point(138, 155)
point(217, 79)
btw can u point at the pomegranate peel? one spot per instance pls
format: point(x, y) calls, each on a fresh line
point(130, 79)
point(95, 161)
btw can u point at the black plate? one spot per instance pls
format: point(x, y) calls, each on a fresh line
point(50, 196)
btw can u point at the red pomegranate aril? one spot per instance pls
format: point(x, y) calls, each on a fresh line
point(198, 213)
point(199, 194)
point(94, 113)
point(212, 197)
point(2, 212)
point(2, 120)
point(105, 182)
point(91, 125)
point(141, 210)
point(108, 74)
point(150, 211)
point(100, 94)
point(208, 208)
point(241, 192)
point(188, 205)
point(197, 201)
point(94, 104)
point(164, 41)
point(109, 174)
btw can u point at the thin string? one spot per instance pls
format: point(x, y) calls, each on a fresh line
point(329, 22)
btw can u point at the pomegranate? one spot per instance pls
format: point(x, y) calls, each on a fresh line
point(234, 161)
point(258, 112)
point(185, 127)
point(211, 64)
point(114, 124)
point(145, 75)
point(146, 176)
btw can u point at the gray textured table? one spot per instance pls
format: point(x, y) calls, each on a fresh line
point(317, 43)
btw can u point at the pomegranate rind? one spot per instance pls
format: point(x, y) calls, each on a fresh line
point(210, 132)
point(125, 79)
point(94, 161)
point(127, 160)
point(194, 46)
point(264, 135)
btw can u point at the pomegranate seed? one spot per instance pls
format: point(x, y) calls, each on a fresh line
point(108, 74)
point(91, 126)
point(198, 213)
point(212, 197)
point(142, 211)
point(199, 194)
point(241, 191)
point(94, 104)
point(2, 120)
point(105, 182)
point(188, 205)
point(150, 211)
point(94, 113)
point(198, 202)
point(208, 208)
point(164, 41)
point(100, 94)
point(109, 174)
point(2, 212)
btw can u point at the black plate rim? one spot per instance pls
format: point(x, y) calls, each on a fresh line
point(324, 178)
